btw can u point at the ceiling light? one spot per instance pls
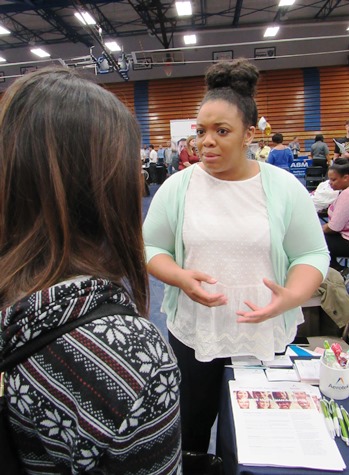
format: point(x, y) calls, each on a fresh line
point(286, 3)
point(4, 31)
point(2, 60)
point(271, 31)
point(183, 8)
point(85, 18)
point(190, 39)
point(40, 52)
point(112, 46)
point(348, 28)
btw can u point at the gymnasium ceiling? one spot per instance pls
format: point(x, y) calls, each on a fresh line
point(52, 22)
point(145, 27)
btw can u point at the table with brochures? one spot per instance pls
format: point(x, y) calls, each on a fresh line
point(227, 449)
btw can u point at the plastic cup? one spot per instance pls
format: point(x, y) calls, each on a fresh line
point(334, 382)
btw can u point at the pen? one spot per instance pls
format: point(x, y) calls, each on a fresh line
point(334, 417)
point(344, 432)
point(328, 419)
point(345, 416)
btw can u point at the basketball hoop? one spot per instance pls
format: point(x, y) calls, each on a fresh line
point(168, 66)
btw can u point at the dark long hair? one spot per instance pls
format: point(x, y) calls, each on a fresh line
point(70, 186)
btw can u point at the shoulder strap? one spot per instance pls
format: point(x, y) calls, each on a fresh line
point(33, 346)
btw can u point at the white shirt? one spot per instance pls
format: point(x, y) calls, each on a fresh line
point(153, 156)
point(226, 235)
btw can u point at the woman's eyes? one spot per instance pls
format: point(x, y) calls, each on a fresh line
point(201, 132)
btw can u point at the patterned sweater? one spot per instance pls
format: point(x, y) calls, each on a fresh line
point(101, 399)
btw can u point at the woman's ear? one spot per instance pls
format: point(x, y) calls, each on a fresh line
point(249, 135)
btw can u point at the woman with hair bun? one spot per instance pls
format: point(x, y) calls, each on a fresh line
point(239, 246)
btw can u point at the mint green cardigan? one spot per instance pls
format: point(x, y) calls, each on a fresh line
point(295, 231)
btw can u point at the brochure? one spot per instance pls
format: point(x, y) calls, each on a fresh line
point(280, 424)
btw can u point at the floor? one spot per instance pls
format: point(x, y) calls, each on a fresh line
point(156, 287)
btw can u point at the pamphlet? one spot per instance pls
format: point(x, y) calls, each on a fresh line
point(280, 424)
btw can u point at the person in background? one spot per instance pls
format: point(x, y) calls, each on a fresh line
point(280, 156)
point(161, 155)
point(236, 269)
point(153, 160)
point(262, 152)
point(345, 142)
point(144, 154)
point(188, 155)
point(176, 150)
point(320, 153)
point(295, 147)
point(337, 228)
point(168, 158)
point(323, 196)
point(103, 398)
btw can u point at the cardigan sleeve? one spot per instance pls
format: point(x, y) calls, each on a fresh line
point(159, 228)
point(304, 241)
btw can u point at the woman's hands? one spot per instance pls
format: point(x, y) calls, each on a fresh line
point(164, 268)
point(191, 285)
point(302, 281)
point(282, 299)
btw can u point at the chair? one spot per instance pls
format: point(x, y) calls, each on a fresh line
point(313, 176)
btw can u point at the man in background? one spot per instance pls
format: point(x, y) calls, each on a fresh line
point(339, 151)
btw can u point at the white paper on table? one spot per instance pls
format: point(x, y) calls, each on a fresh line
point(249, 374)
point(276, 374)
point(245, 361)
point(281, 361)
point(290, 352)
point(293, 437)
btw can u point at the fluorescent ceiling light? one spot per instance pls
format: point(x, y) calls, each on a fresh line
point(2, 60)
point(4, 31)
point(85, 18)
point(190, 39)
point(40, 52)
point(286, 3)
point(271, 31)
point(184, 8)
point(112, 46)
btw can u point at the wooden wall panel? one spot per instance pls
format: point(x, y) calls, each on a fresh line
point(124, 91)
point(171, 99)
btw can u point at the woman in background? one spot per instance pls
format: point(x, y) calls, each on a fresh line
point(280, 156)
point(188, 155)
point(337, 228)
point(320, 153)
point(239, 246)
point(104, 397)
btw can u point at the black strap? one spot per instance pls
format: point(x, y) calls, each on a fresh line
point(33, 346)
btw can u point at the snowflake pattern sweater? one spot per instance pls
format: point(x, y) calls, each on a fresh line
point(103, 398)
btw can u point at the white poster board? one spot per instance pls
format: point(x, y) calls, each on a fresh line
point(182, 129)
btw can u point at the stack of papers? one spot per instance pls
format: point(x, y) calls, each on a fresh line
point(308, 370)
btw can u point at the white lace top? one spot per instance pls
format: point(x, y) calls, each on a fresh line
point(226, 234)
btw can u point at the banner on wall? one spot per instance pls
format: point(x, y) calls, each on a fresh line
point(182, 128)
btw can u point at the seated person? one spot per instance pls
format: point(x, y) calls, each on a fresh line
point(337, 229)
point(323, 196)
point(262, 151)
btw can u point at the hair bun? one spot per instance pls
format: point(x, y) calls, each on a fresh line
point(239, 75)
